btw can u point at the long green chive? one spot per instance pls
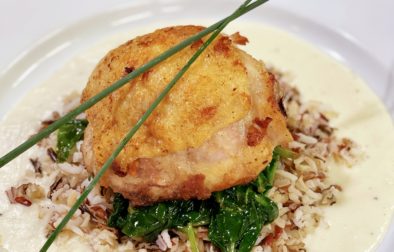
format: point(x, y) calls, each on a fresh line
point(127, 138)
point(118, 84)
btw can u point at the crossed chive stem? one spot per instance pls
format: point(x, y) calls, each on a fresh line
point(214, 30)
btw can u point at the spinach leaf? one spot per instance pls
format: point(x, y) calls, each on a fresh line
point(148, 222)
point(234, 217)
point(265, 180)
point(254, 224)
point(194, 212)
point(67, 136)
point(120, 205)
point(249, 204)
point(242, 214)
point(226, 228)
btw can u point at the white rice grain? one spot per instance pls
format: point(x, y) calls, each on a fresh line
point(306, 139)
point(70, 168)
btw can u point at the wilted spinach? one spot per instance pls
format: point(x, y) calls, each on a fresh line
point(67, 136)
point(117, 218)
point(234, 217)
point(148, 222)
point(265, 179)
point(243, 210)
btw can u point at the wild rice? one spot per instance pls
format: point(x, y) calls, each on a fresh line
point(300, 187)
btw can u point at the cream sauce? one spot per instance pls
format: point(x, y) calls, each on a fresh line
point(356, 223)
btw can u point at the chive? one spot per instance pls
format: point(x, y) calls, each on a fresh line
point(126, 139)
point(222, 24)
point(120, 83)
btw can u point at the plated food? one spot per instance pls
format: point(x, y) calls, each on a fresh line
point(217, 128)
point(300, 187)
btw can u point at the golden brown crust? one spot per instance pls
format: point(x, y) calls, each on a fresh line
point(238, 39)
point(195, 142)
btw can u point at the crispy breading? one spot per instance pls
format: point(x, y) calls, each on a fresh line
point(217, 127)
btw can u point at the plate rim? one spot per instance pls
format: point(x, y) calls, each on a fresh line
point(22, 65)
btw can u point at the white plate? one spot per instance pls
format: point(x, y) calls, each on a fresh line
point(39, 62)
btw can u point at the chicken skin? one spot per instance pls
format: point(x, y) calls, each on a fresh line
point(217, 127)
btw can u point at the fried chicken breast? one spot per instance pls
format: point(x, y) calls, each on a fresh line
point(217, 128)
